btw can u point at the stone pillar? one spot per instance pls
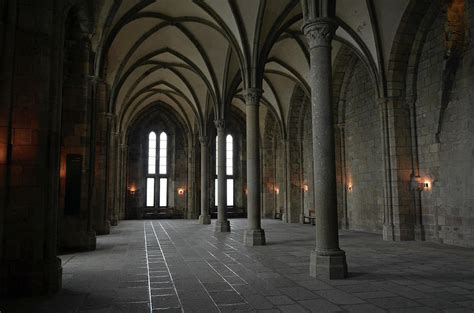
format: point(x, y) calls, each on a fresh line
point(119, 182)
point(222, 224)
point(344, 182)
point(204, 218)
point(399, 219)
point(30, 113)
point(327, 260)
point(254, 235)
point(112, 162)
point(123, 180)
point(101, 220)
point(286, 183)
point(191, 203)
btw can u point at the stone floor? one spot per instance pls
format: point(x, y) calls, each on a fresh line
point(180, 266)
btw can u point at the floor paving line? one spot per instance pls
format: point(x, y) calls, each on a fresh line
point(229, 268)
point(148, 269)
point(209, 295)
point(223, 278)
point(200, 282)
point(166, 263)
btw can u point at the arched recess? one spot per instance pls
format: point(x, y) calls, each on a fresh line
point(359, 149)
point(439, 69)
point(159, 118)
point(75, 229)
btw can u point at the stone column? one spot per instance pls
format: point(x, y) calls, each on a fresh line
point(123, 180)
point(112, 162)
point(222, 224)
point(344, 182)
point(327, 260)
point(254, 235)
point(204, 218)
point(101, 220)
point(399, 224)
point(285, 187)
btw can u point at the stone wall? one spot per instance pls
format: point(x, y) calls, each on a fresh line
point(308, 163)
point(448, 165)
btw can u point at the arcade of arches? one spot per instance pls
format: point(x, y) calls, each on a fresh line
point(342, 116)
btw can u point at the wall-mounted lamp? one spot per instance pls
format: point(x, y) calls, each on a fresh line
point(305, 188)
point(180, 191)
point(349, 187)
point(132, 189)
point(277, 190)
point(419, 184)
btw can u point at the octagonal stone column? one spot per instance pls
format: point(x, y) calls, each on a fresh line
point(222, 224)
point(204, 218)
point(254, 235)
point(327, 260)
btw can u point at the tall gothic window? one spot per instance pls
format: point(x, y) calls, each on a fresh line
point(229, 152)
point(162, 176)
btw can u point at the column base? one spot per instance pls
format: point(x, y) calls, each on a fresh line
point(222, 227)
point(192, 216)
point(78, 241)
point(19, 278)
point(114, 220)
point(330, 265)
point(388, 233)
point(204, 219)
point(420, 233)
point(103, 229)
point(398, 232)
point(254, 237)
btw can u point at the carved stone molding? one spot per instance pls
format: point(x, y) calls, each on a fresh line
point(109, 116)
point(95, 79)
point(341, 126)
point(220, 124)
point(252, 96)
point(319, 32)
point(204, 140)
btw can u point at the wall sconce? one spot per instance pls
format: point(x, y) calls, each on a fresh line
point(426, 185)
point(417, 184)
point(246, 191)
point(305, 188)
point(277, 190)
point(132, 189)
point(180, 191)
point(349, 187)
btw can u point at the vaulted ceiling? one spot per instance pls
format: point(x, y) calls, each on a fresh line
point(198, 56)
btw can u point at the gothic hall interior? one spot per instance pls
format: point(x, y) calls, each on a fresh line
point(236, 156)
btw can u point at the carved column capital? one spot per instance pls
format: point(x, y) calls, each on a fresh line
point(220, 124)
point(204, 140)
point(319, 32)
point(252, 96)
